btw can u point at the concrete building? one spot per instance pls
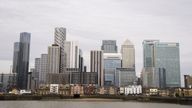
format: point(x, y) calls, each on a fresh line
point(23, 60)
point(188, 81)
point(15, 56)
point(72, 54)
point(109, 46)
point(125, 77)
point(59, 39)
point(96, 65)
point(43, 68)
point(53, 59)
point(112, 61)
point(162, 56)
point(128, 54)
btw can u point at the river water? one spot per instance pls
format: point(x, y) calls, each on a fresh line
point(85, 104)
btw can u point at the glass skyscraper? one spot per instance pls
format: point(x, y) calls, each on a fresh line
point(112, 61)
point(167, 57)
point(23, 60)
point(15, 56)
point(164, 60)
point(109, 46)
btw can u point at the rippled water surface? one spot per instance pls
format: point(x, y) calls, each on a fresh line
point(85, 104)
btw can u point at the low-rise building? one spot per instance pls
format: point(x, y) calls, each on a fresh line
point(48, 89)
point(133, 90)
point(77, 90)
point(188, 81)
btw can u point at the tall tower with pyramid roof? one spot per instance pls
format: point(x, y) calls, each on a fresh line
point(128, 54)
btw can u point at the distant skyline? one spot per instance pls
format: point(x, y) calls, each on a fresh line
point(91, 21)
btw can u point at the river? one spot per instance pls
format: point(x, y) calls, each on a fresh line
point(86, 104)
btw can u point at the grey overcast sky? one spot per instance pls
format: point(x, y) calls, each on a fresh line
point(90, 21)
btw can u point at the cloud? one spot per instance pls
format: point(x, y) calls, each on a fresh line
point(90, 21)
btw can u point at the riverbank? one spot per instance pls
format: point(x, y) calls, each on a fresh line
point(175, 100)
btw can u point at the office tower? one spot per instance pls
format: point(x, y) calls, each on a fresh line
point(128, 54)
point(158, 56)
point(7, 81)
point(59, 39)
point(29, 82)
point(37, 72)
point(15, 56)
point(188, 81)
point(112, 61)
point(34, 80)
point(125, 77)
point(53, 58)
point(43, 68)
point(109, 46)
point(96, 62)
point(23, 60)
point(72, 54)
point(81, 61)
point(162, 77)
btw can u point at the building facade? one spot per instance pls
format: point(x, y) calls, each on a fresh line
point(43, 68)
point(23, 60)
point(128, 54)
point(112, 61)
point(15, 56)
point(188, 81)
point(59, 39)
point(109, 46)
point(7, 82)
point(72, 54)
point(125, 77)
point(96, 65)
point(53, 59)
point(162, 61)
point(37, 72)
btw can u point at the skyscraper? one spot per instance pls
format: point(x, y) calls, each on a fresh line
point(15, 56)
point(81, 61)
point(72, 54)
point(112, 61)
point(164, 58)
point(109, 46)
point(53, 58)
point(128, 54)
point(96, 64)
point(43, 68)
point(59, 39)
point(23, 60)
point(37, 72)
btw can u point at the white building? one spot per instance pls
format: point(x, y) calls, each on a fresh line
point(72, 54)
point(54, 88)
point(133, 90)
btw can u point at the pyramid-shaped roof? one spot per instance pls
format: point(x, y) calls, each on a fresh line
point(127, 42)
